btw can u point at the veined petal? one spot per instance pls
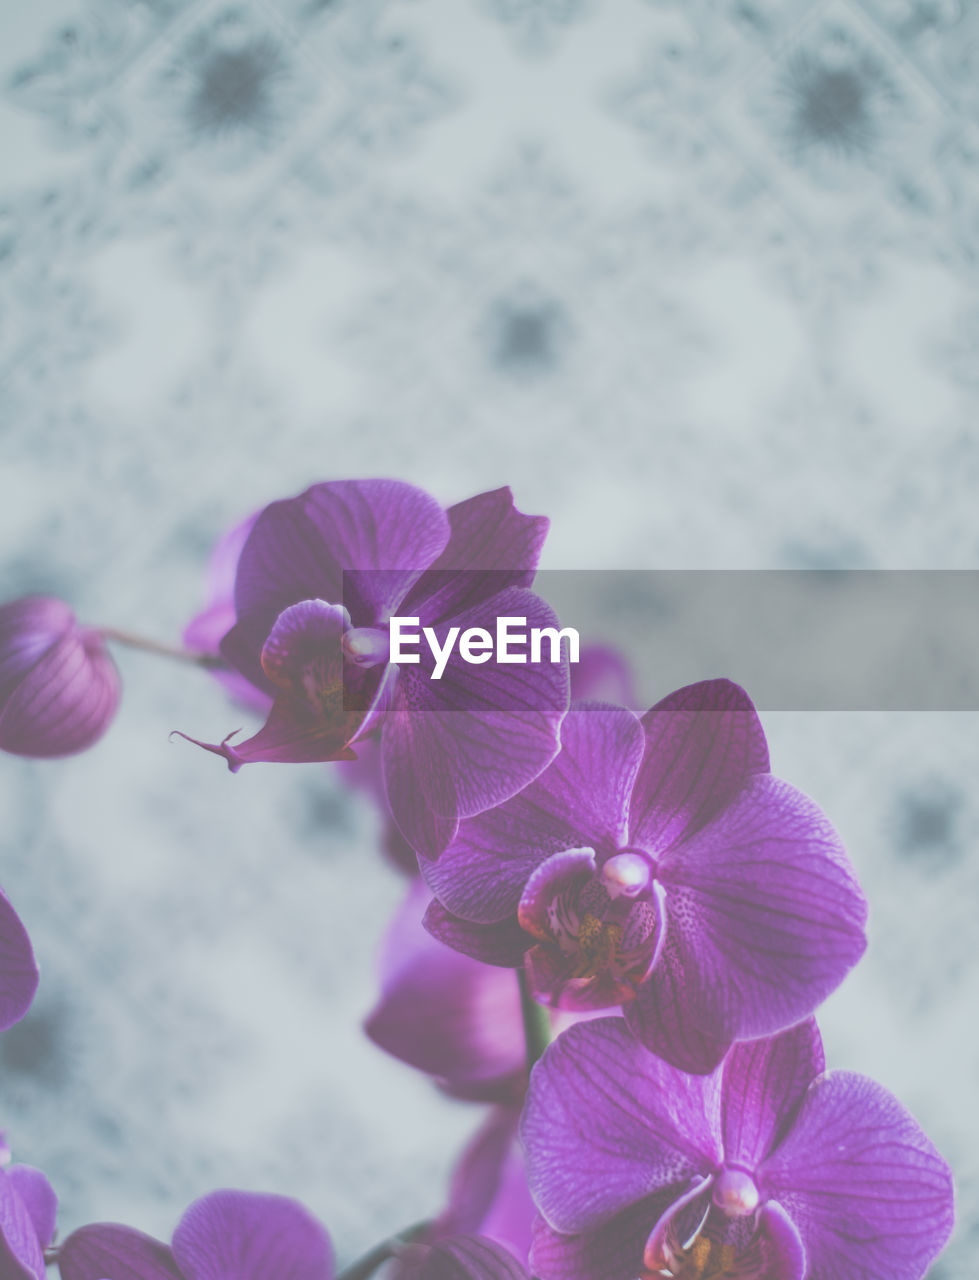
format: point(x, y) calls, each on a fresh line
point(580, 800)
point(661, 1015)
point(443, 1012)
point(386, 531)
point(606, 1124)
point(481, 733)
point(65, 701)
point(105, 1251)
point(503, 943)
point(871, 1197)
point(494, 546)
point(248, 1236)
point(703, 743)
point(20, 1249)
point(29, 627)
point(764, 913)
point(39, 1199)
point(763, 1084)
point(18, 968)
point(611, 1251)
point(470, 1258)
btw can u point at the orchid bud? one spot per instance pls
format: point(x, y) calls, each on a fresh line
point(59, 688)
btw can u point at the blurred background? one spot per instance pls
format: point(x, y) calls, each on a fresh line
point(698, 279)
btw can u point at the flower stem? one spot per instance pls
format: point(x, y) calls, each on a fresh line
point(132, 641)
point(536, 1022)
point(369, 1263)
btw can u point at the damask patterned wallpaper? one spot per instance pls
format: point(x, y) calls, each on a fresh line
point(697, 278)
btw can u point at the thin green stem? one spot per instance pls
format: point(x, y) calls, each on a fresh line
point(536, 1022)
point(374, 1258)
point(132, 641)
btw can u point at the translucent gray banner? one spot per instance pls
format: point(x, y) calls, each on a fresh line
point(797, 640)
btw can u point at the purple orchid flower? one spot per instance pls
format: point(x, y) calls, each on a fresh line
point(458, 1258)
point(227, 1235)
point(28, 1210)
point(18, 968)
point(59, 688)
point(768, 1169)
point(446, 1014)
point(319, 578)
point(657, 864)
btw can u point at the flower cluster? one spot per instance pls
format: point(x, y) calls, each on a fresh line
point(674, 913)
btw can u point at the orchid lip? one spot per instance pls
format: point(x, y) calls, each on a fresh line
point(366, 646)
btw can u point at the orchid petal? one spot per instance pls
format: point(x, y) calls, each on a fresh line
point(661, 1018)
point(59, 688)
point(580, 800)
point(443, 1012)
point(248, 1236)
point(703, 743)
point(764, 911)
point(764, 1083)
point(39, 1199)
point(20, 1249)
point(871, 1197)
point(480, 733)
point(607, 1124)
point(119, 1253)
point(501, 944)
point(18, 968)
point(491, 546)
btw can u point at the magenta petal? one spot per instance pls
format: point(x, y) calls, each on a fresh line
point(59, 689)
point(18, 968)
point(661, 1018)
point(482, 732)
point(681, 1219)
point(39, 1199)
point(501, 944)
point(779, 1251)
point(868, 1192)
point(606, 1124)
point(764, 1083)
point(489, 1195)
point(105, 1251)
point(612, 1251)
point(580, 800)
point(427, 832)
point(703, 743)
point(301, 548)
point(20, 1249)
point(246, 1236)
point(443, 1012)
point(764, 912)
point(492, 543)
point(470, 1258)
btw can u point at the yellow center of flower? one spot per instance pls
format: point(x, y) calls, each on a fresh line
point(704, 1260)
point(597, 946)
